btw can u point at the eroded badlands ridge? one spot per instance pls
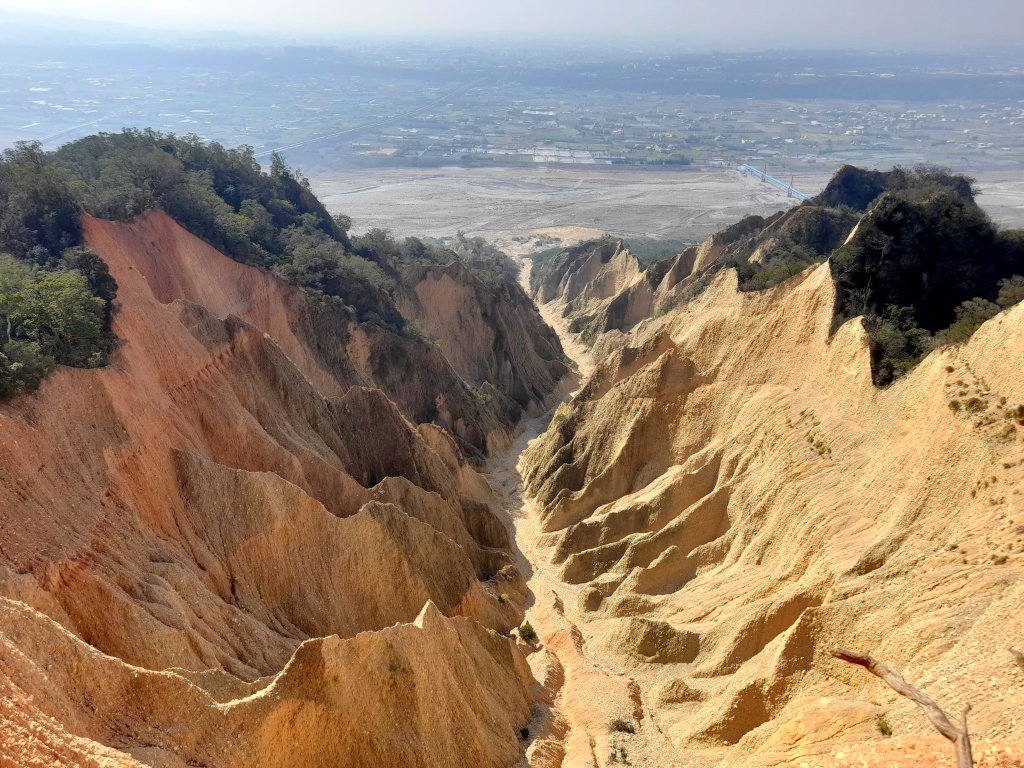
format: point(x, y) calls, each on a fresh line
point(729, 497)
point(244, 543)
point(260, 537)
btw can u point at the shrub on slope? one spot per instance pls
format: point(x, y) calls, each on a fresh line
point(56, 297)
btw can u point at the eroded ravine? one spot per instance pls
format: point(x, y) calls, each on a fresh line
point(585, 687)
point(731, 474)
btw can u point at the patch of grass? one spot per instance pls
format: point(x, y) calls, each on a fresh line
point(882, 725)
point(560, 416)
point(619, 755)
point(618, 725)
point(527, 632)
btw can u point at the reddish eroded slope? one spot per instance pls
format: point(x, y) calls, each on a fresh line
point(177, 265)
point(435, 691)
point(219, 496)
point(330, 350)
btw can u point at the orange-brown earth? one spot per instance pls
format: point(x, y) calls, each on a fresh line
point(254, 539)
point(729, 497)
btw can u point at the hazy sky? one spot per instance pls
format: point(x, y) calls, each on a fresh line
point(911, 24)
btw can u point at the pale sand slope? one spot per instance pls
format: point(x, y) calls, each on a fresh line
point(729, 497)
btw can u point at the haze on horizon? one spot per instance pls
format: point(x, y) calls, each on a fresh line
point(910, 25)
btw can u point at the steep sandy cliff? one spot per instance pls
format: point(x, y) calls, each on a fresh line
point(600, 287)
point(489, 332)
point(244, 543)
point(729, 497)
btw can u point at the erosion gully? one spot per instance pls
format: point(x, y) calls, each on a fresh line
point(587, 687)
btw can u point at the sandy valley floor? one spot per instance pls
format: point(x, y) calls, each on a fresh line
point(688, 205)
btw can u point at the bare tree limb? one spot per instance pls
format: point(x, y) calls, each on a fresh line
point(958, 735)
point(963, 744)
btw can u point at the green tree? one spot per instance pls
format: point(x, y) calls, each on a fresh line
point(97, 274)
point(897, 343)
point(22, 366)
point(39, 216)
point(14, 277)
point(1011, 291)
point(59, 312)
point(970, 316)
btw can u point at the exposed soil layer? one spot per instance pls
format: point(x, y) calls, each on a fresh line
point(254, 538)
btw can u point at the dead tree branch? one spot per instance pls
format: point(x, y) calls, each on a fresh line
point(958, 735)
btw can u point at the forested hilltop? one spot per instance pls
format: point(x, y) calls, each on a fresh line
point(57, 297)
point(910, 250)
